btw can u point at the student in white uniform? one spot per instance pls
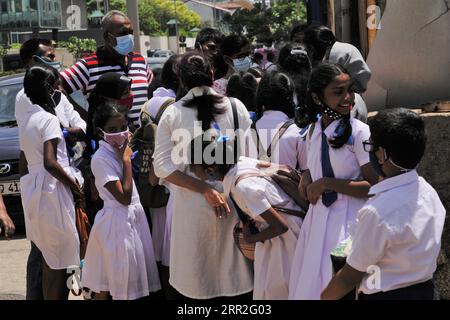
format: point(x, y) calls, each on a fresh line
point(119, 261)
point(32, 52)
point(336, 182)
point(399, 229)
point(161, 218)
point(262, 200)
point(275, 103)
point(204, 262)
point(46, 189)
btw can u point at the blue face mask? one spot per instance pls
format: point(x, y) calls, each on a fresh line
point(53, 64)
point(125, 44)
point(242, 64)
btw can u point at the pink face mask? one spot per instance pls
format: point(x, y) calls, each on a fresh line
point(116, 140)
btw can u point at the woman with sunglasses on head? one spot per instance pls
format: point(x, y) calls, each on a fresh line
point(336, 183)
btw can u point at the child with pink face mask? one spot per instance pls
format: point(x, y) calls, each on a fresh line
point(120, 261)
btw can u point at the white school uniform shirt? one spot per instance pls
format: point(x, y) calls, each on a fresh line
point(399, 230)
point(48, 204)
point(351, 59)
point(273, 257)
point(68, 117)
point(120, 256)
point(159, 216)
point(324, 228)
point(291, 148)
point(65, 112)
point(204, 261)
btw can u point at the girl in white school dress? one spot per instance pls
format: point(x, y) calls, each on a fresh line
point(275, 109)
point(262, 200)
point(46, 189)
point(120, 260)
point(336, 183)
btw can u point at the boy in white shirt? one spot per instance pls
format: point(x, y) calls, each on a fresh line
point(398, 235)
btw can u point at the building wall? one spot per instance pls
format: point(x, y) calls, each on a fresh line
point(205, 12)
point(410, 56)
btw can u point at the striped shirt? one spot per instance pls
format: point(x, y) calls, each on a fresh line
point(84, 74)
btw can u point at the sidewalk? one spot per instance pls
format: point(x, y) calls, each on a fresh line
point(13, 266)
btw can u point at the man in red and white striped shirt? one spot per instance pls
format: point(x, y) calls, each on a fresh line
point(116, 55)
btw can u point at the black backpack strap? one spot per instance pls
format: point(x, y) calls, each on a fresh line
point(235, 115)
point(236, 126)
point(278, 136)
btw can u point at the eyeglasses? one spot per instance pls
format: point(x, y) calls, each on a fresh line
point(369, 146)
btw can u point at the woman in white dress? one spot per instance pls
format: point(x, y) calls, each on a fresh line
point(204, 262)
point(46, 189)
point(262, 200)
point(119, 261)
point(336, 183)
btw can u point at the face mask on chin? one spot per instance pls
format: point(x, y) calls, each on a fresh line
point(331, 113)
point(53, 64)
point(116, 140)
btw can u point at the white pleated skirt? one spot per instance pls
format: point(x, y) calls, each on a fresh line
point(120, 258)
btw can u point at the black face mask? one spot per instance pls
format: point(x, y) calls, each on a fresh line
point(375, 164)
point(333, 114)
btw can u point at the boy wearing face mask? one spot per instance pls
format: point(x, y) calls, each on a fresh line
point(116, 55)
point(399, 229)
point(234, 57)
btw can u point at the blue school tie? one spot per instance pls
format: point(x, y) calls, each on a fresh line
point(328, 197)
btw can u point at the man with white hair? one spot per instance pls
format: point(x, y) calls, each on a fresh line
point(116, 55)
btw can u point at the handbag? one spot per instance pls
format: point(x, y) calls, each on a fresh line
point(246, 248)
point(83, 226)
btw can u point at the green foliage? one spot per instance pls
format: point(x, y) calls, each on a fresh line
point(276, 21)
point(154, 14)
point(77, 46)
point(3, 51)
point(15, 46)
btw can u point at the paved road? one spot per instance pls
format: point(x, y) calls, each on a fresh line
point(13, 262)
point(13, 265)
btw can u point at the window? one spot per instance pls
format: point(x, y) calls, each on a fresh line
point(33, 4)
point(4, 6)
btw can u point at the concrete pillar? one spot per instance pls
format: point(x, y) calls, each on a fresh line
point(132, 9)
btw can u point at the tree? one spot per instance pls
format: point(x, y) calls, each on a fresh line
point(3, 52)
point(78, 47)
point(276, 21)
point(154, 14)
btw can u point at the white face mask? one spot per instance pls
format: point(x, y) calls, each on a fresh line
point(242, 64)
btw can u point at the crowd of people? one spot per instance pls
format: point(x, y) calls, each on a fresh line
point(228, 144)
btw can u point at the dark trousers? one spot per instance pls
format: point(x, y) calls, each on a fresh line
point(34, 274)
point(420, 291)
point(54, 283)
